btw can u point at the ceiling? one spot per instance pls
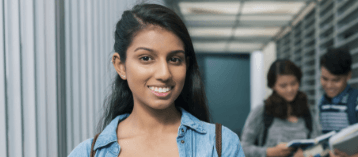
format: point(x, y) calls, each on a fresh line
point(235, 26)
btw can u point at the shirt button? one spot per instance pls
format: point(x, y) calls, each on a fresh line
point(182, 130)
point(182, 141)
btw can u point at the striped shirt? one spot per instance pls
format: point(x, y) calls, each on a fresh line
point(334, 111)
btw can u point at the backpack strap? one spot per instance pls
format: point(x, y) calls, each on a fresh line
point(218, 138)
point(352, 104)
point(93, 152)
point(268, 119)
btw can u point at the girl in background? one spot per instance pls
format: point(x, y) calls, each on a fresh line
point(284, 116)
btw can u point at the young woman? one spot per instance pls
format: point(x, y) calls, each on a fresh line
point(285, 115)
point(158, 105)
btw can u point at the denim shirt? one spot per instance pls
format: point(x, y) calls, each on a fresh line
point(195, 139)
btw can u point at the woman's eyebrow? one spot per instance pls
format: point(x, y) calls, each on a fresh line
point(143, 48)
point(150, 50)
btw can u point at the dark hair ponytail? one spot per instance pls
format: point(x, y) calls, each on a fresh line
point(192, 97)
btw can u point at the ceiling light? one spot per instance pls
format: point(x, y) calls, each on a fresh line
point(283, 7)
point(210, 17)
point(209, 46)
point(240, 32)
point(219, 47)
point(244, 46)
point(265, 18)
point(209, 7)
point(210, 32)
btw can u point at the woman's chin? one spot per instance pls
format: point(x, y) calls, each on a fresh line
point(289, 99)
point(161, 106)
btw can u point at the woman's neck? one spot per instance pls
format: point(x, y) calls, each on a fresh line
point(149, 120)
point(291, 118)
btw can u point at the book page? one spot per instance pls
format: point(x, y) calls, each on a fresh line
point(343, 134)
point(325, 136)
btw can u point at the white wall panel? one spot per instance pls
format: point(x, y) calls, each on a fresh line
point(51, 79)
point(95, 63)
point(13, 73)
point(40, 65)
point(28, 77)
point(108, 46)
point(102, 42)
point(75, 72)
point(3, 104)
point(69, 81)
point(257, 86)
point(89, 67)
point(269, 53)
point(83, 72)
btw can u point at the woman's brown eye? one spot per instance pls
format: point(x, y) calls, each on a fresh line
point(175, 60)
point(146, 58)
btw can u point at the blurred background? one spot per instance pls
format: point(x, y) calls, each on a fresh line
point(55, 70)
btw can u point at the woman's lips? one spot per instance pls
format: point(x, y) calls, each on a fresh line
point(160, 91)
point(160, 94)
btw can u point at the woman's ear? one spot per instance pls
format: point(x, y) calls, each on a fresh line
point(119, 66)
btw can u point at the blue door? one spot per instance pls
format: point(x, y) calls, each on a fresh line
point(227, 85)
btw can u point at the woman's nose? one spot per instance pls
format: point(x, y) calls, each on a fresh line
point(163, 72)
point(289, 88)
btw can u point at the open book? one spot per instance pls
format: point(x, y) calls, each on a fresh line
point(304, 143)
point(346, 140)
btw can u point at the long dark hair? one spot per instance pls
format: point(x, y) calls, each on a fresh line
point(120, 101)
point(277, 106)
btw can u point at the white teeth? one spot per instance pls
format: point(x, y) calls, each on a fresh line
point(160, 89)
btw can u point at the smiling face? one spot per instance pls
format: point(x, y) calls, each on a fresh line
point(155, 67)
point(286, 86)
point(333, 84)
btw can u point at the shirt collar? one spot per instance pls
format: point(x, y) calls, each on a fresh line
point(337, 99)
point(109, 134)
point(192, 122)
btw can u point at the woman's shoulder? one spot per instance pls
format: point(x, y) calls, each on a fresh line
point(231, 145)
point(203, 127)
point(83, 149)
point(258, 109)
point(256, 113)
point(225, 131)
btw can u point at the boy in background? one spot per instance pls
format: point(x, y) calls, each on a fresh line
point(338, 106)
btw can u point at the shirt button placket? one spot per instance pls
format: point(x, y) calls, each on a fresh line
point(181, 142)
point(182, 134)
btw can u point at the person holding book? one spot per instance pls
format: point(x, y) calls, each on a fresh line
point(338, 106)
point(284, 116)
